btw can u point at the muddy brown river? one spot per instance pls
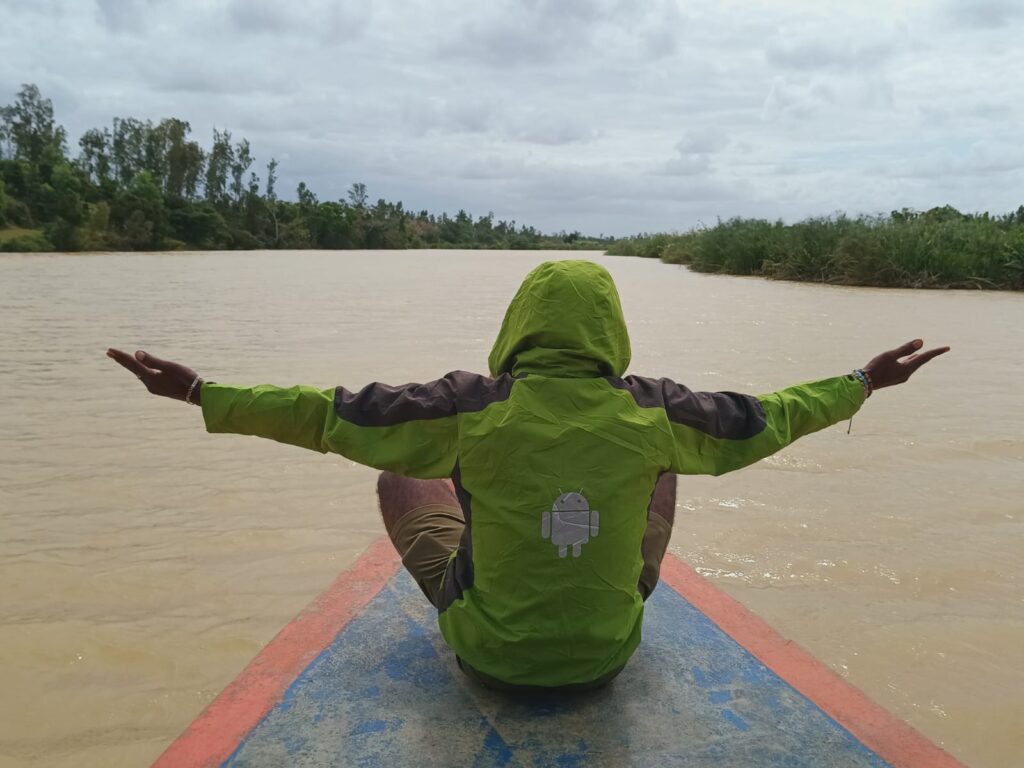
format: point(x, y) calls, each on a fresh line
point(143, 562)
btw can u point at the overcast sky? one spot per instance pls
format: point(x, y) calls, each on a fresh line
point(612, 117)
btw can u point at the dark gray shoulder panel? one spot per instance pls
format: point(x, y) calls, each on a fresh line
point(380, 405)
point(725, 415)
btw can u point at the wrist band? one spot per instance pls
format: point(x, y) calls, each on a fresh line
point(865, 380)
point(191, 388)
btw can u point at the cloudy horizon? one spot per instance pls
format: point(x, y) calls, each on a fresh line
point(592, 115)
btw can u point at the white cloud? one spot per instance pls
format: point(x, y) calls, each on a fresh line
point(816, 54)
point(596, 115)
point(987, 14)
point(123, 15)
point(325, 21)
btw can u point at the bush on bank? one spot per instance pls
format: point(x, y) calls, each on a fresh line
point(33, 242)
point(939, 248)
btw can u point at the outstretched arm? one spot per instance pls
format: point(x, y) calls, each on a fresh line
point(748, 429)
point(409, 430)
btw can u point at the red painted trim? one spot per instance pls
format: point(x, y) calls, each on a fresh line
point(888, 737)
point(218, 731)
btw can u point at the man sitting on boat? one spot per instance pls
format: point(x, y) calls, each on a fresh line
point(533, 505)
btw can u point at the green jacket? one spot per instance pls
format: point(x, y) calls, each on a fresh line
point(554, 457)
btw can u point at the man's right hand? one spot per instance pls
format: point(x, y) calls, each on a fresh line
point(890, 368)
point(161, 377)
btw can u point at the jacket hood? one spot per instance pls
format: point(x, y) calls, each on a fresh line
point(564, 321)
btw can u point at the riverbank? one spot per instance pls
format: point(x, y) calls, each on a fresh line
point(23, 240)
point(941, 248)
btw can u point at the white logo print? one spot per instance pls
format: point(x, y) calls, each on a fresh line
point(571, 522)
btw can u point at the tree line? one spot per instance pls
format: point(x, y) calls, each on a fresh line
point(140, 185)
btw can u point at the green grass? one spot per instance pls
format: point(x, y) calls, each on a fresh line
point(941, 248)
point(9, 233)
point(19, 240)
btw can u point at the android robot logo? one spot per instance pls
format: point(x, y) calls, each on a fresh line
point(570, 523)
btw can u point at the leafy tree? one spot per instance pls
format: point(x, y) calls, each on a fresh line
point(273, 226)
point(139, 213)
point(295, 235)
point(307, 199)
point(68, 185)
point(29, 128)
point(240, 163)
point(194, 161)
point(178, 155)
point(357, 195)
point(219, 163)
point(138, 232)
point(94, 158)
point(155, 142)
point(94, 232)
point(6, 140)
point(943, 213)
point(271, 180)
point(200, 225)
point(128, 148)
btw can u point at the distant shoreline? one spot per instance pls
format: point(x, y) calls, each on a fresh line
point(940, 248)
point(669, 249)
point(36, 240)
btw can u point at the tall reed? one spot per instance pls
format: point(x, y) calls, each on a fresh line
point(940, 248)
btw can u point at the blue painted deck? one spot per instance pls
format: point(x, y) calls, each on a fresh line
point(387, 692)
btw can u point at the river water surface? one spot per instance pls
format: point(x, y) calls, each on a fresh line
point(143, 563)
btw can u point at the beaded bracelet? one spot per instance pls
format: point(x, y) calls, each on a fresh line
point(191, 388)
point(865, 379)
point(871, 384)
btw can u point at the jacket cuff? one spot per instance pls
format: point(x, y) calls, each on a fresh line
point(216, 402)
point(854, 392)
